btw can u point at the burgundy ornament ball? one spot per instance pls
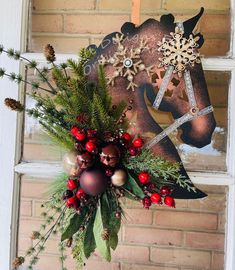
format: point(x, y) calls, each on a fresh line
point(85, 160)
point(94, 181)
point(110, 155)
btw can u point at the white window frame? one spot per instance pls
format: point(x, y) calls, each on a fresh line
point(13, 26)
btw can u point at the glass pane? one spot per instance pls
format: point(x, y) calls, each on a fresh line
point(70, 25)
point(188, 237)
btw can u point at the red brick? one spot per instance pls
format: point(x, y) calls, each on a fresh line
point(96, 265)
point(94, 24)
point(45, 5)
point(23, 244)
point(138, 216)
point(47, 23)
point(146, 267)
point(61, 44)
point(25, 208)
point(215, 47)
point(217, 24)
point(182, 257)
point(186, 220)
point(131, 253)
point(120, 5)
point(217, 261)
point(204, 240)
point(185, 4)
point(152, 236)
point(33, 189)
point(27, 226)
point(214, 202)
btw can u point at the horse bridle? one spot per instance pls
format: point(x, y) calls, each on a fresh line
point(194, 111)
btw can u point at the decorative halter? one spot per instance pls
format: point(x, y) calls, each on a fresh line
point(178, 53)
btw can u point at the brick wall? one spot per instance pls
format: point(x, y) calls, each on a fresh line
point(72, 24)
point(190, 237)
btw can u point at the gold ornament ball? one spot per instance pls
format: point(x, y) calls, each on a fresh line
point(70, 164)
point(119, 178)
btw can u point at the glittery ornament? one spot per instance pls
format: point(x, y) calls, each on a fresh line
point(110, 155)
point(69, 163)
point(85, 160)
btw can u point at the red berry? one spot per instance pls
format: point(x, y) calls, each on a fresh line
point(90, 146)
point(94, 140)
point(156, 198)
point(80, 193)
point(72, 184)
point(146, 202)
point(71, 202)
point(126, 136)
point(78, 133)
point(138, 143)
point(169, 201)
point(165, 191)
point(144, 177)
point(109, 172)
point(133, 151)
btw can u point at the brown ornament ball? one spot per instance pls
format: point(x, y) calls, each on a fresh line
point(94, 181)
point(70, 165)
point(119, 178)
point(85, 160)
point(110, 155)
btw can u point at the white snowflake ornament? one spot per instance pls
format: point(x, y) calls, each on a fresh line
point(126, 61)
point(178, 51)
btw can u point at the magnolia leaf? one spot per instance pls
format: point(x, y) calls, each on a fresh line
point(102, 245)
point(89, 244)
point(113, 240)
point(74, 225)
point(133, 187)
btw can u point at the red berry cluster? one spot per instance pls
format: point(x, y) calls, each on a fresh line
point(74, 195)
point(86, 138)
point(163, 195)
point(133, 146)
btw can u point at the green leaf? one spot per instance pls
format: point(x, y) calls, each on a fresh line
point(133, 187)
point(102, 245)
point(113, 240)
point(74, 225)
point(89, 244)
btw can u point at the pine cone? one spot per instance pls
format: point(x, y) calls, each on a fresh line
point(14, 104)
point(18, 261)
point(49, 53)
point(105, 234)
point(35, 235)
point(69, 242)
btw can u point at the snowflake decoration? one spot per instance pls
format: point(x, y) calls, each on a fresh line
point(126, 61)
point(178, 51)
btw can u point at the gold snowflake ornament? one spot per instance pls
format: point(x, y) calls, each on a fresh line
point(178, 51)
point(126, 61)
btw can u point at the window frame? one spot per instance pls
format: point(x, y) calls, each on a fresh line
point(15, 13)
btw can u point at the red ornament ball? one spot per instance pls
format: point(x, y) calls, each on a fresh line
point(90, 146)
point(165, 191)
point(80, 193)
point(78, 133)
point(156, 198)
point(169, 201)
point(72, 184)
point(94, 181)
point(146, 202)
point(144, 177)
point(133, 151)
point(138, 142)
point(126, 136)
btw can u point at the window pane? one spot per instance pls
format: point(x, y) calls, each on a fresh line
point(70, 25)
point(190, 236)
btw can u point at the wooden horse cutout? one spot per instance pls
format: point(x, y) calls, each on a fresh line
point(132, 61)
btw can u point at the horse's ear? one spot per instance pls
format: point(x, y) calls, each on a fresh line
point(127, 28)
point(190, 24)
point(167, 20)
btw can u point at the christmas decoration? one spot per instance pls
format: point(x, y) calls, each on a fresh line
point(119, 178)
point(178, 51)
point(126, 62)
point(105, 159)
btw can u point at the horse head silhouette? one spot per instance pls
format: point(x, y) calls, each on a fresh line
point(133, 66)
